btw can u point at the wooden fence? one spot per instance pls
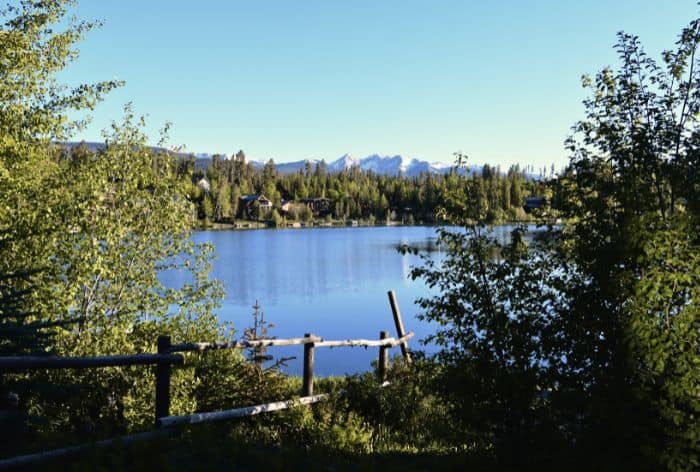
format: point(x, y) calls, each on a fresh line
point(310, 342)
point(170, 354)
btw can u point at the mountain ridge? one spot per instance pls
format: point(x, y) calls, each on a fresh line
point(381, 164)
point(376, 163)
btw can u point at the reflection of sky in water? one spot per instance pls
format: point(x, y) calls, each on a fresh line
point(331, 282)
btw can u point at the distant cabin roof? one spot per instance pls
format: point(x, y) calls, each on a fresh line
point(204, 184)
point(252, 198)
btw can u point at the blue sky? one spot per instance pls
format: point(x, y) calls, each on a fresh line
point(290, 80)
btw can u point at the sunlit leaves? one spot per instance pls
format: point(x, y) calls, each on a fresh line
point(596, 329)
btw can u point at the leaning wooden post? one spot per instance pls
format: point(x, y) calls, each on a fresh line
point(163, 380)
point(383, 364)
point(308, 387)
point(399, 325)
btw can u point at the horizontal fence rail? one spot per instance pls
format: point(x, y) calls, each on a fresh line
point(20, 363)
point(387, 342)
point(241, 344)
point(315, 340)
point(239, 412)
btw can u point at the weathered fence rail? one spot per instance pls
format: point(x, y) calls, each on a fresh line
point(239, 412)
point(399, 324)
point(241, 344)
point(316, 340)
point(16, 364)
point(167, 357)
point(383, 342)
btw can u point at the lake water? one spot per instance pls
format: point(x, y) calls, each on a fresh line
point(332, 282)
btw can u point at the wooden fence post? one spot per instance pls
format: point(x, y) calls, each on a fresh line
point(399, 325)
point(163, 370)
point(383, 364)
point(308, 387)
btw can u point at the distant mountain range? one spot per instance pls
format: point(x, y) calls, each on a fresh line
point(378, 164)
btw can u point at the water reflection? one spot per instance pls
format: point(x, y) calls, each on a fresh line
point(331, 282)
point(307, 264)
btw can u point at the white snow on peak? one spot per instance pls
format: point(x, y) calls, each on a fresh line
point(381, 164)
point(344, 162)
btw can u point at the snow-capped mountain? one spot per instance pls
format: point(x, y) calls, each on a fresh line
point(393, 165)
point(344, 162)
point(376, 163)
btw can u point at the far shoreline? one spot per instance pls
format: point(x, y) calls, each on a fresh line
point(261, 225)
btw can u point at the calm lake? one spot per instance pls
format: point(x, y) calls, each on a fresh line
point(332, 282)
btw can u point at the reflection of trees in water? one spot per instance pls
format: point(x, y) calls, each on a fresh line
point(502, 235)
point(302, 264)
point(428, 245)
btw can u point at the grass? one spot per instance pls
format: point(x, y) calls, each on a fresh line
point(361, 427)
point(227, 447)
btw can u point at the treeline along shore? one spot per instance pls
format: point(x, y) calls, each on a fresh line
point(232, 193)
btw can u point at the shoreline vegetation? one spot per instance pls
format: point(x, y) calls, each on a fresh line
point(234, 193)
point(245, 225)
